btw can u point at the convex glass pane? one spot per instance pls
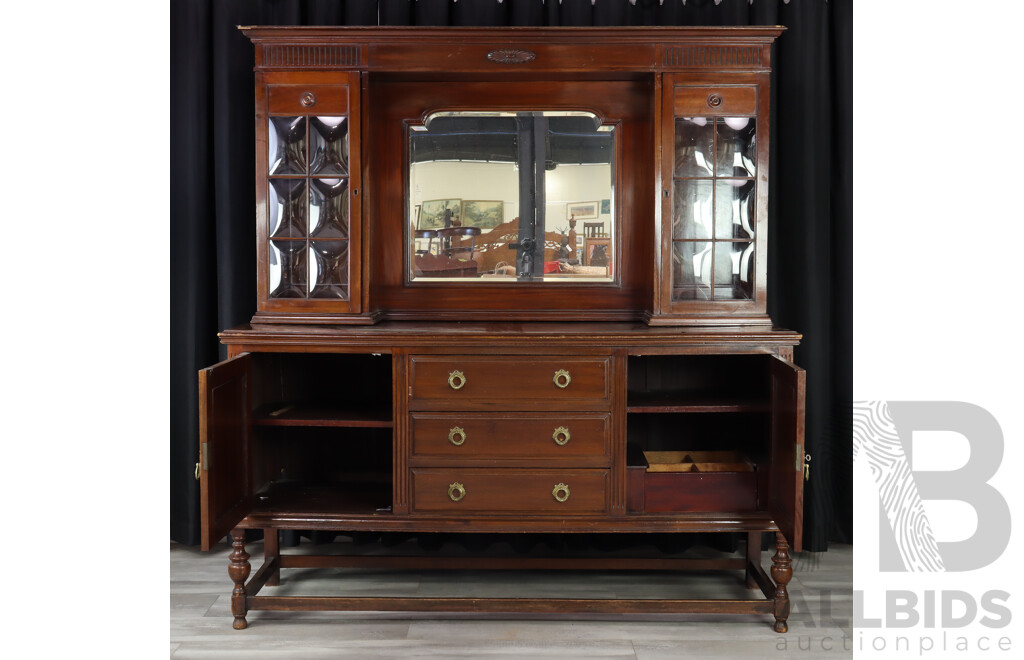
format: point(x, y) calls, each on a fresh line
point(734, 208)
point(288, 270)
point(734, 271)
point(328, 148)
point(289, 208)
point(329, 269)
point(691, 270)
point(692, 209)
point(694, 147)
point(736, 149)
point(287, 145)
point(328, 208)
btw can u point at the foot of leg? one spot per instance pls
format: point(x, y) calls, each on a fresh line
point(782, 573)
point(238, 569)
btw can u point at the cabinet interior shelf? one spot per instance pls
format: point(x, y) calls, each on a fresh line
point(306, 414)
point(674, 403)
point(370, 498)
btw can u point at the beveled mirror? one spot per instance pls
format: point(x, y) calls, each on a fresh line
point(517, 197)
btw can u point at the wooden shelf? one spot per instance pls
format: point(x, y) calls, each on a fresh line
point(676, 403)
point(322, 415)
point(301, 499)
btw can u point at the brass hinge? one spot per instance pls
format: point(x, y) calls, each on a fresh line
point(200, 462)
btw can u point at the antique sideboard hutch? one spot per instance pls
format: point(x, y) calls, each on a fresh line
point(509, 280)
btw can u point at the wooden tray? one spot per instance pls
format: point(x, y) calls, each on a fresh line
point(682, 481)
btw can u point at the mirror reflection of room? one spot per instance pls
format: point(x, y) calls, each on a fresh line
point(512, 197)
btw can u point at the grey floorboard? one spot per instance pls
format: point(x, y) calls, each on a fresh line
point(200, 616)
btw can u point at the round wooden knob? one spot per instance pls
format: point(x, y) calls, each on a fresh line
point(714, 100)
point(308, 100)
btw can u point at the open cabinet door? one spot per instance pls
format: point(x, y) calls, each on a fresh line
point(786, 494)
point(225, 481)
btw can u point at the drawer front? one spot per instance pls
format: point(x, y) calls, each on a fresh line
point(500, 491)
point(714, 101)
point(453, 382)
point(481, 438)
point(307, 99)
point(694, 491)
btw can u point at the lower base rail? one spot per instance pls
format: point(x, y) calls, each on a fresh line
point(776, 597)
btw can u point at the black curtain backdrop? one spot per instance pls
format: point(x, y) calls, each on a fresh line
point(213, 269)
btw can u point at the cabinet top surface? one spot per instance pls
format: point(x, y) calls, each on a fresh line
point(387, 33)
point(505, 333)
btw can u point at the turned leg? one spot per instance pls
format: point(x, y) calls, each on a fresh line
point(272, 551)
point(238, 569)
point(782, 573)
point(753, 557)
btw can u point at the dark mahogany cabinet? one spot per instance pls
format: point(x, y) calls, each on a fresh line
point(510, 281)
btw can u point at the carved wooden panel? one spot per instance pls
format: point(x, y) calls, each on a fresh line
point(311, 56)
point(713, 56)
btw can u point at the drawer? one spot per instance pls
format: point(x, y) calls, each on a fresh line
point(715, 101)
point(455, 382)
point(677, 481)
point(307, 99)
point(580, 439)
point(486, 491)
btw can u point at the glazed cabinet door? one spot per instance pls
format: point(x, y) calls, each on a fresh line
point(225, 479)
point(308, 193)
point(714, 201)
point(786, 491)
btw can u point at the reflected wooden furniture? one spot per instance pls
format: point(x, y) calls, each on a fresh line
point(589, 243)
point(492, 247)
point(429, 235)
point(453, 241)
point(593, 229)
point(505, 407)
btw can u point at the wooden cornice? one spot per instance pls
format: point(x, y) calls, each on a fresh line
point(509, 49)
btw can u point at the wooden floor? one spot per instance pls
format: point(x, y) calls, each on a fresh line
point(819, 626)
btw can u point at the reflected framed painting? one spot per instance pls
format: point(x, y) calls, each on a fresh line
point(433, 211)
point(582, 210)
point(485, 214)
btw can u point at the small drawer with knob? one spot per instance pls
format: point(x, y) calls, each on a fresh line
point(715, 101)
point(570, 439)
point(314, 99)
point(458, 382)
point(481, 491)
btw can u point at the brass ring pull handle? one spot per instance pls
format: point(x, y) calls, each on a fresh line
point(308, 100)
point(456, 491)
point(562, 378)
point(456, 380)
point(456, 436)
point(197, 471)
point(561, 436)
point(560, 492)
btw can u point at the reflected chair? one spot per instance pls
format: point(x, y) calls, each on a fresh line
point(448, 244)
point(430, 235)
